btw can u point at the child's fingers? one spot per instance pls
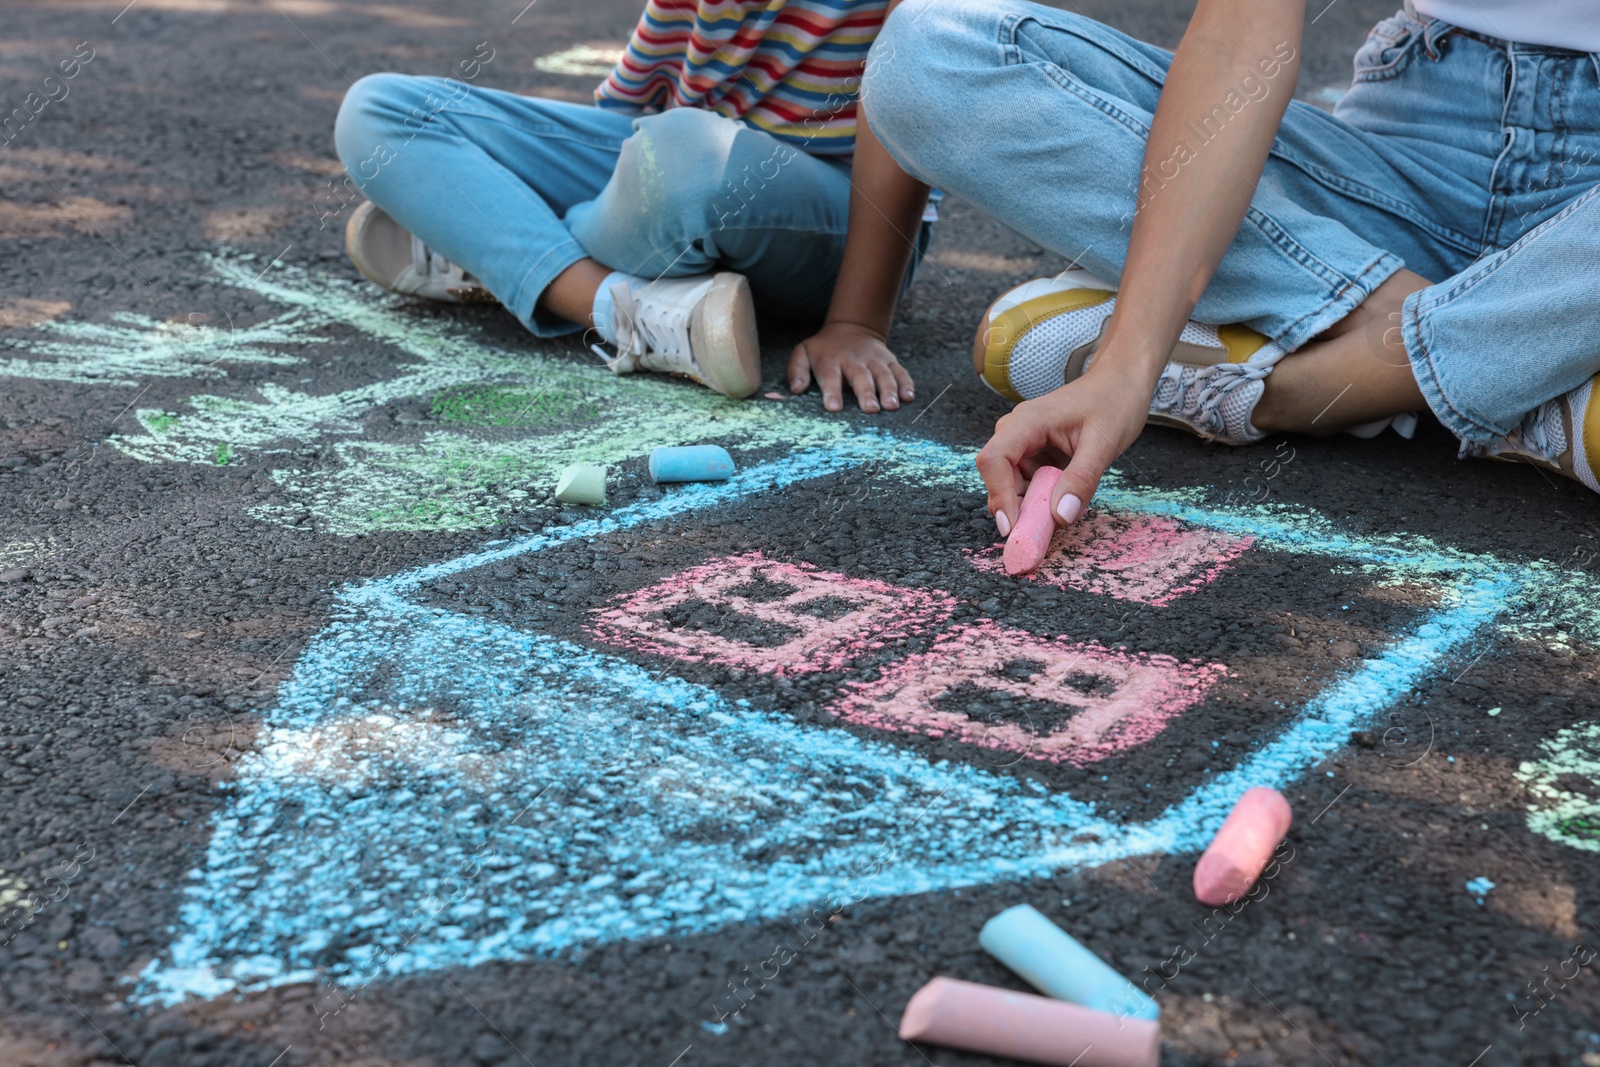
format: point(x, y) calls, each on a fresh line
point(799, 369)
point(831, 383)
point(888, 388)
point(902, 377)
point(865, 388)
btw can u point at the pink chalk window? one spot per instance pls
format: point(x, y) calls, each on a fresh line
point(1143, 558)
point(768, 616)
point(1041, 698)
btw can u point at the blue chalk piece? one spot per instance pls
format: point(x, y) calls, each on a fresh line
point(690, 463)
point(1056, 965)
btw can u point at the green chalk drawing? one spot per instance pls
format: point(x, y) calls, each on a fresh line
point(377, 485)
point(509, 406)
point(133, 346)
point(14, 895)
point(476, 483)
point(1566, 788)
point(453, 478)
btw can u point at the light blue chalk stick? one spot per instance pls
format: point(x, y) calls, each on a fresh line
point(1057, 966)
point(690, 463)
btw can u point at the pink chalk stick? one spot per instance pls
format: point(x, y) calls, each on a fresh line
point(980, 1018)
point(1240, 851)
point(1029, 542)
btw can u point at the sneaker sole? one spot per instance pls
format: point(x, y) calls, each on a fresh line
point(726, 345)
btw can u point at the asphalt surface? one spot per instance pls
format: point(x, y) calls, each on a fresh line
point(327, 737)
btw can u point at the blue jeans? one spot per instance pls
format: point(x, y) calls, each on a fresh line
point(516, 189)
point(1473, 162)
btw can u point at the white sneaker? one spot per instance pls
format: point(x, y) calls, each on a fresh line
point(1561, 435)
point(395, 258)
point(1042, 334)
point(702, 327)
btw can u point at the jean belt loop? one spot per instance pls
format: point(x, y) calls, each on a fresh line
point(1436, 30)
point(1432, 29)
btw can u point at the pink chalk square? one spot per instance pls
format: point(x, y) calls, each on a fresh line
point(1101, 701)
point(1144, 558)
point(793, 617)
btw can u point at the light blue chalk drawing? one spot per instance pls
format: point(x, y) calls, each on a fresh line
point(456, 481)
point(438, 789)
point(1479, 887)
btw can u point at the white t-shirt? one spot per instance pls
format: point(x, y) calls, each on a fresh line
point(1573, 24)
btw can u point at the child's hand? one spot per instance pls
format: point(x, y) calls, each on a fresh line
point(842, 350)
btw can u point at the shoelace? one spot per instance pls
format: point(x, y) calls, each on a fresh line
point(1541, 432)
point(1176, 392)
point(426, 260)
point(655, 336)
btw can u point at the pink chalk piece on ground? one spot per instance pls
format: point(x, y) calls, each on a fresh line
point(1001, 1022)
point(1104, 701)
point(1144, 558)
point(770, 616)
point(1241, 850)
point(774, 396)
point(1030, 537)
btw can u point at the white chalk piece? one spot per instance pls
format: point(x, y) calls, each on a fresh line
point(1055, 964)
point(582, 483)
point(690, 463)
point(1001, 1022)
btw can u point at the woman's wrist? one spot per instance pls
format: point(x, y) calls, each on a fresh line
point(1135, 367)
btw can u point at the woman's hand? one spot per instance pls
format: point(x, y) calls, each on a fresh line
point(1082, 427)
point(843, 351)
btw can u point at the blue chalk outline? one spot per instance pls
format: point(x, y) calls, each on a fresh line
point(271, 905)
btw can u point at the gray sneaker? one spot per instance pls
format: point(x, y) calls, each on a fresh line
point(1213, 401)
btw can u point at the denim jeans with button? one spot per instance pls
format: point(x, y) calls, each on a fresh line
point(516, 189)
point(1471, 161)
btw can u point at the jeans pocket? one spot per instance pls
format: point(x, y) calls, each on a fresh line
point(1389, 48)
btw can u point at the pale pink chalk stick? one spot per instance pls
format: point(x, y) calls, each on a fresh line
point(1030, 537)
point(1240, 851)
point(980, 1018)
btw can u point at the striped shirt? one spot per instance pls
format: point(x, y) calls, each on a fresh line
point(789, 67)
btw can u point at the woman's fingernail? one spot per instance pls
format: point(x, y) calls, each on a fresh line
point(1002, 523)
point(1070, 508)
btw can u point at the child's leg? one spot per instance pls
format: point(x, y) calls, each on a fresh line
point(694, 192)
point(483, 177)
